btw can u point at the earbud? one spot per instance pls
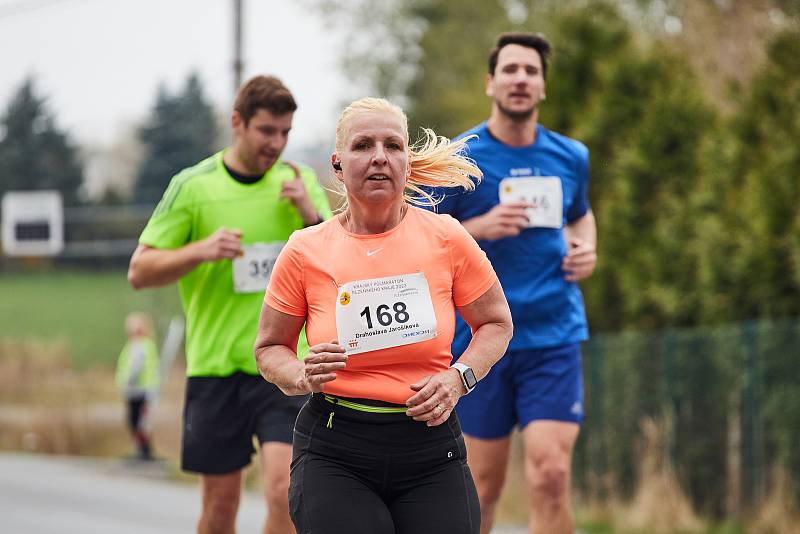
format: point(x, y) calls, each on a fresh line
point(337, 166)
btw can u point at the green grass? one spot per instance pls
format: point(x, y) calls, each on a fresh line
point(594, 528)
point(86, 310)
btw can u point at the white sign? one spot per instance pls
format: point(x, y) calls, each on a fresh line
point(384, 312)
point(544, 195)
point(32, 223)
point(252, 270)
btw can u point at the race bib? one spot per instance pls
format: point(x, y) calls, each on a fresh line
point(251, 271)
point(384, 312)
point(542, 192)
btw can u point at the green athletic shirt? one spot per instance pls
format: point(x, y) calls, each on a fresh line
point(221, 323)
point(147, 378)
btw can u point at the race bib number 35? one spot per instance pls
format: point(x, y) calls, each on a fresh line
point(251, 270)
point(543, 193)
point(384, 312)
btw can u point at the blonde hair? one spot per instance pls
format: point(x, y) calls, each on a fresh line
point(436, 161)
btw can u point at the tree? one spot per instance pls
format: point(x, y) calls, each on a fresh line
point(180, 132)
point(765, 271)
point(697, 213)
point(766, 170)
point(34, 153)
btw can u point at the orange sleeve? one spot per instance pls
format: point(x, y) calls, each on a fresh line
point(473, 274)
point(286, 289)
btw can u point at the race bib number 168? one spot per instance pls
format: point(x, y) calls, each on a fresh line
point(380, 313)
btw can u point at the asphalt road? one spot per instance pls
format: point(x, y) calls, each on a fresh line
point(45, 494)
point(67, 495)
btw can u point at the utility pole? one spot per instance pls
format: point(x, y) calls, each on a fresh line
point(237, 45)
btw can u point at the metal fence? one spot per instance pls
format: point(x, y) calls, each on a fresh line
point(726, 400)
point(94, 236)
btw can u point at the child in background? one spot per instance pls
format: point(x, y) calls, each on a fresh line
point(138, 376)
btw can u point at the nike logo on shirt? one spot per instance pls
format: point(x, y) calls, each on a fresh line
point(373, 252)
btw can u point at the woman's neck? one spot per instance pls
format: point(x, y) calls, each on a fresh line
point(365, 220)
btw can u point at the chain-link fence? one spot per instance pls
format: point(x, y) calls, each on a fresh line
point(726, 400)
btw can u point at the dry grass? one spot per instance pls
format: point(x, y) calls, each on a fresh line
point(46, 406)
point(659, 505)
point(779, 514)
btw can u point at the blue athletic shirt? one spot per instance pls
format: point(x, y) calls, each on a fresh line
point(547, 310)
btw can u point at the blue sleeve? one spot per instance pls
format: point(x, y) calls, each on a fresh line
point(449, 201)
point(580, 204)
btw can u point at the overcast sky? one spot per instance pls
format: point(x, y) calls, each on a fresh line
point(99, 62)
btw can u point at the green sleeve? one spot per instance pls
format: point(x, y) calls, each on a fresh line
point(120, 376)
point(170, 225)
point(316, 192)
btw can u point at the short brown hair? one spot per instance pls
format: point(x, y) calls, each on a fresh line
point(536, 41)
point(266, 92)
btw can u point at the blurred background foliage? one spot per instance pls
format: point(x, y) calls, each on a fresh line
point(695, 177)
point(28, 127)
point(180, 131)
point(691, 111)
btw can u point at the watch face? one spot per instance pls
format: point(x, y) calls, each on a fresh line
point(469, 378)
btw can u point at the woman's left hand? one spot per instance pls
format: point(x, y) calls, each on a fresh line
point(436, 397)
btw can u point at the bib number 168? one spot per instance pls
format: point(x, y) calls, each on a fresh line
point(384, 316)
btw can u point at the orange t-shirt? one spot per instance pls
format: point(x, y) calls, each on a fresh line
point(318, 260)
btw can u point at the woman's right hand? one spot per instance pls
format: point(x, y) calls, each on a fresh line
point(320, 365)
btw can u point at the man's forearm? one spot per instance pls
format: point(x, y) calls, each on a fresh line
point(308, 212)
point(584, 228)
point(152, 267)
point(474, 227)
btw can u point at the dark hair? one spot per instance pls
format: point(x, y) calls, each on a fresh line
point(536, 41)
point(266, 92)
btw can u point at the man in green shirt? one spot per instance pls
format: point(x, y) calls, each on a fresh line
point(217, 231)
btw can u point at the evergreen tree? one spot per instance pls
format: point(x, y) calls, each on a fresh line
point(697, 214)
point(648, 130)
point(766, 267)
point(34, 153)
point(180, 132)
point(766, 169)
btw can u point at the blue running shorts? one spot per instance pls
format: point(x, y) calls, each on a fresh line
point(525, 386)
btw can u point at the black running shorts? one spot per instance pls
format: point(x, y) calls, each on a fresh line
point(222, 414)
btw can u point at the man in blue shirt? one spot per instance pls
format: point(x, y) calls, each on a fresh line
point(531, 215)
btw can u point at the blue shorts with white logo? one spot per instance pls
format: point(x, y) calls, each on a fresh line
point(525, 386)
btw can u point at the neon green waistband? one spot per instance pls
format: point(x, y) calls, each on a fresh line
point(364, 407)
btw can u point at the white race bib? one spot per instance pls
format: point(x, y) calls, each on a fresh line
point(542, 192)
point(251, 271)
point(384, 312)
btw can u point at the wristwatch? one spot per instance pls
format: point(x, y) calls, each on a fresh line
point(466, 374)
